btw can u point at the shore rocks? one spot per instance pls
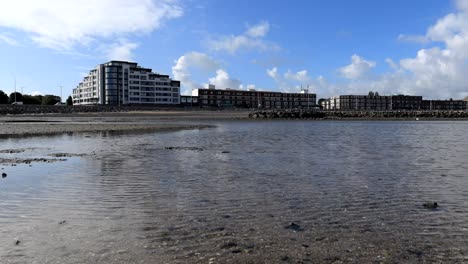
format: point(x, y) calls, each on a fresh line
point(324, 115)
point(4, 175)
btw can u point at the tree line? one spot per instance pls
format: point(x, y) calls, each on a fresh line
point(31, 99)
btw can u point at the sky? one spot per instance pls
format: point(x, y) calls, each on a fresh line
point(417, 47)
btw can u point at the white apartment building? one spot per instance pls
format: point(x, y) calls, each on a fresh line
point(126, 83)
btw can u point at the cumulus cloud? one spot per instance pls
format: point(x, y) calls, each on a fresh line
point(64, 25)
point(436, 72)
point(182, 70)
point(251, 39)
point(290, 81)
point(223, 80)
point(202, 65)
point(359, 68)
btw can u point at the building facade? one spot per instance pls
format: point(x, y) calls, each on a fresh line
point(375, 102)
point(126, 83)
point(445, 105)
point(372, 101)
point(212, 97)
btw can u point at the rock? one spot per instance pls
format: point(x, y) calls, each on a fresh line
point(236, 251)
point(4, 175)
point(17, 242)
point(430, 205)
point(62, 222)
point(294, 227)
point(229, 244)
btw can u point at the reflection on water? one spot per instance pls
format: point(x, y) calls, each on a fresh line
point(229, 193)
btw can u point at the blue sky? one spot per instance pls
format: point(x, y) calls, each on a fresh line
point(334, 46)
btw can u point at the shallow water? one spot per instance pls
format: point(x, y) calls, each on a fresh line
point(354, 191)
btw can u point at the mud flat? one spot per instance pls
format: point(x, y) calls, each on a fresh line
point(28, 129)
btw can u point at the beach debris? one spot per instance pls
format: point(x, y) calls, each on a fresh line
point(294, 227)
point(4, 175)
point(430, 205)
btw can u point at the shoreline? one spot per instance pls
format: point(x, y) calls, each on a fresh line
point(12, 130)
point(159, 121)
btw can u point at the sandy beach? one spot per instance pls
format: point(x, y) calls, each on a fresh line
point(45, 124)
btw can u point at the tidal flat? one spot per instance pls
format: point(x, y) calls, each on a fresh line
point(237, 191)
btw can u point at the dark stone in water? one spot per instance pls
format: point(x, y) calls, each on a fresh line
point(4, 175)
point(62, 222)
point(431, 205)
point(294, 227)
point(17, 242)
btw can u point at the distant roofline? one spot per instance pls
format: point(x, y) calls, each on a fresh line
point(256, 91)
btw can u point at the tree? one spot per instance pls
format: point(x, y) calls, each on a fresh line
point(32, 100)
point(320, 102)
point(17, 98)
point(69, 100)
point(50, 99)
point(3, 97)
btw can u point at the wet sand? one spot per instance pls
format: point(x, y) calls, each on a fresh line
point(46, 124)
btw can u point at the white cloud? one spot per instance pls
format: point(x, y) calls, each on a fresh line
point(62, 25)
point(252, 39)
point(300, 76)
point(359, 68)
point(182, 70)
point(413, 38)
point(392, 64)
point(8, 39)
point(222, 80)
point(258, 31)
point(195, 66)
point(290, 81)
point(123, 50)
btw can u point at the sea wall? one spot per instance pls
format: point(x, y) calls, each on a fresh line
point(318, 114)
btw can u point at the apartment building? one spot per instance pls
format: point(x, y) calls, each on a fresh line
point(445, 104)
point(126, 83)
point(372, 101)
point(375, 102)
point(212, 97)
